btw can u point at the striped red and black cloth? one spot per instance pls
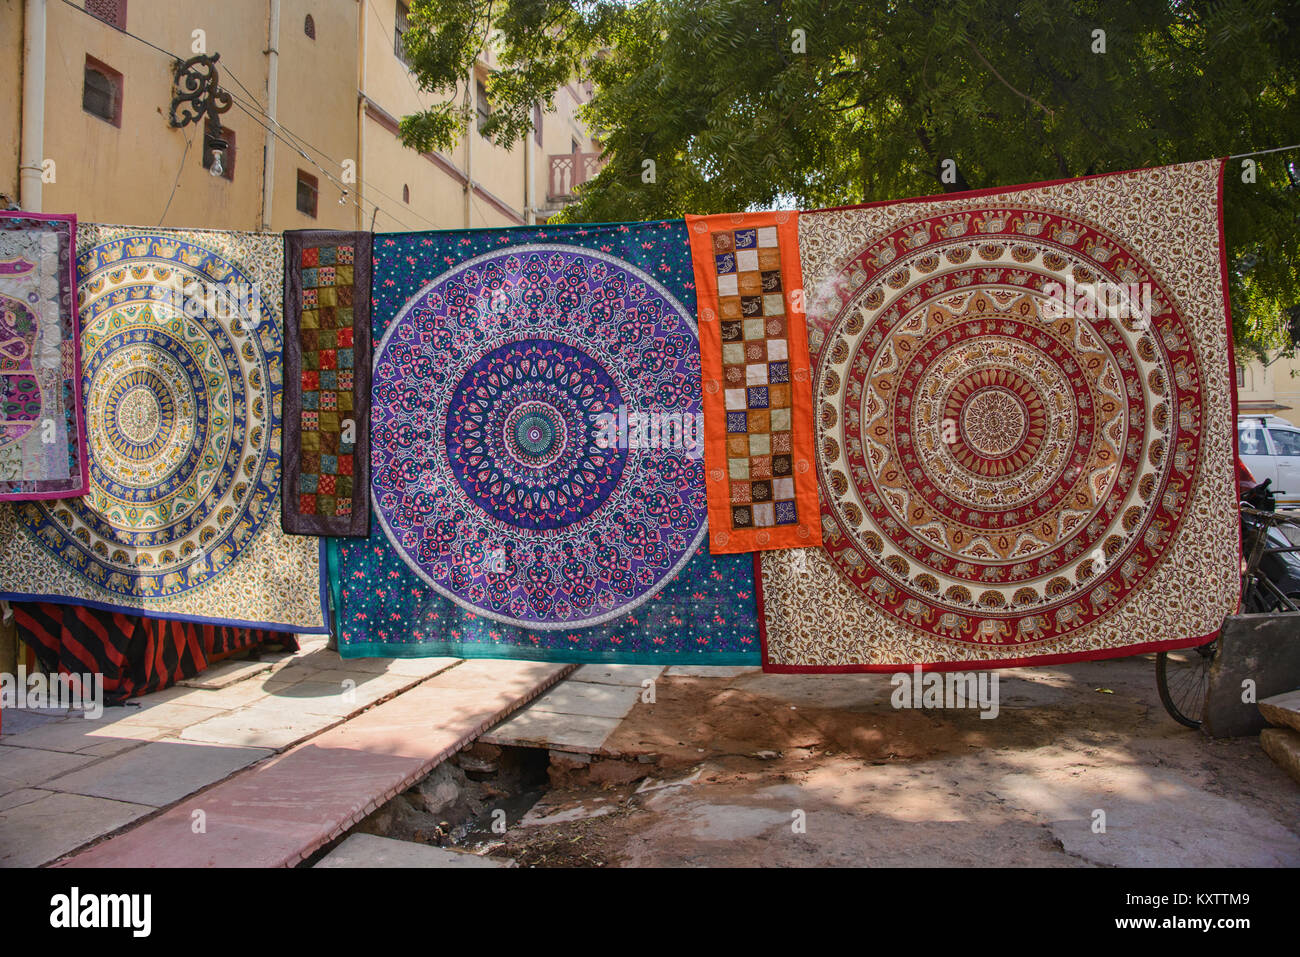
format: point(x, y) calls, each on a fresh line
point(136, 655)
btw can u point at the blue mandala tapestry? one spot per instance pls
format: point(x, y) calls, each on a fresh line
point(536, 455)
point(182, 369)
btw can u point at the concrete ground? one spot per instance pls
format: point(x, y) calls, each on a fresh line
point(640, 765)
point(1081, 767)
point(67, 780)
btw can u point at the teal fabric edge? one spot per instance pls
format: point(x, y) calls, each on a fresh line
point(448, 649)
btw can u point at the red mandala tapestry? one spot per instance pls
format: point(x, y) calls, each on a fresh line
point(1024, 420)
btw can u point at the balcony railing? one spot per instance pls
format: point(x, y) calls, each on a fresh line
point(568, 172)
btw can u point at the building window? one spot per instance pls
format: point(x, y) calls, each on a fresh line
point(406, 193)
point(112, 12)
point(227, 152)
point(537, 123)
point(101, 94)
point(1241, 377)
point(577, 147)
point(307, 193)
point(309, 27)
point(481, 105)
point(400, 26)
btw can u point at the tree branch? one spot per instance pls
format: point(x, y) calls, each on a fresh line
point(1024, 96)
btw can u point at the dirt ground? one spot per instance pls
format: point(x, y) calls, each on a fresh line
point(1081, 767)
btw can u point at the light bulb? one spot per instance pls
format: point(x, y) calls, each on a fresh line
point(216, 169)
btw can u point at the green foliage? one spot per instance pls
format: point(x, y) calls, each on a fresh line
point(734, 117)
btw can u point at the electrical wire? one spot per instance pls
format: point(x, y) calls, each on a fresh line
point(1276, 149)
point(297, 148)
point(176, 185)
point(294, 146)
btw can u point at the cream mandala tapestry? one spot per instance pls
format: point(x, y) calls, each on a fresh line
point(1024, 414)
point(181, 346)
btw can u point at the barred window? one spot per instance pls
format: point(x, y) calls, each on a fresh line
point(308, 192)
point(101, 91)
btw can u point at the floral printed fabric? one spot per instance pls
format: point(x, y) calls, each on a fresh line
point(537, 477)
point(181, 338)
point(1025, 428)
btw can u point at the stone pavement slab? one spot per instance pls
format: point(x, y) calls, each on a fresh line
point(589, 698)
point(39, 831)
point(76, 735)
point(280, 811)
point(158, 774)
point(166, 714)
point(28, 767)
point(585, 734)
point(710, 671)
point(1282, 710)
point(17, 720)
point(370, 850)
point(265, 724)
point(418, 667)
point(1283, 746)
point(226, 673)
point(618, 674)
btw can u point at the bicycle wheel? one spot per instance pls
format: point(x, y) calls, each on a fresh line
point(1182, 678)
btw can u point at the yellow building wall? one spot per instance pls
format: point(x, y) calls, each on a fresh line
point(1275, 384)
point(11, 79)
point(112, 175)
point(437, 200)
point(127, 174)
point(317, 101)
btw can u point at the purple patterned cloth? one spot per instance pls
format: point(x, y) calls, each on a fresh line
point(42, 429)
point(526, 507)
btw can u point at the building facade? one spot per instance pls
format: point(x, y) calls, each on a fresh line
point(1273, 388)
point(318, 87)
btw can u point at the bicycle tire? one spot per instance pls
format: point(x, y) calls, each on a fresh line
point(1170, 692)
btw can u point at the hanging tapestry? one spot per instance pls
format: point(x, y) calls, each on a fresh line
point(536, 455)
point(327, 383)
point(182, 373)
point(758, 447)
point(42, 435)
point(1025, 414)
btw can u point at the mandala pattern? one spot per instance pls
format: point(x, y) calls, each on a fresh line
point(1024, 425)
point(182, 376)
point(496, 473)
point(42, 435)
point(521, 514)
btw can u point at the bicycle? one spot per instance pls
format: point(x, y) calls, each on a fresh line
point(1270, 583)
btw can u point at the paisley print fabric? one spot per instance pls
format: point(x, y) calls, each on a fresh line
point(537, 477)
point(182, 370)
point(1024, 409)
point(42, 434)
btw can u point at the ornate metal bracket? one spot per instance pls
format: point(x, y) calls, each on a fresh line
point(196, 92)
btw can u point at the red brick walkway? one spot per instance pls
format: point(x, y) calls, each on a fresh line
point(277, 813)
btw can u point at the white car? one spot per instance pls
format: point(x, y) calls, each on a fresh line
point(1270, 447)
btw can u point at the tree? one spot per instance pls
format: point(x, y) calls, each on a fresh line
point(754, 103)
